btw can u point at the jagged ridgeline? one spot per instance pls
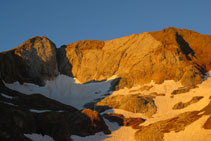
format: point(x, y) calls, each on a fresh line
point(170, 54)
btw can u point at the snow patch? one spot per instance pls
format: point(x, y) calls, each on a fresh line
point(77, 81)
point(39, 137)
point(43, 111)
point(206, 76)
point(112, 77)
point(4, 95)
point(11, 104)
point(39, 111)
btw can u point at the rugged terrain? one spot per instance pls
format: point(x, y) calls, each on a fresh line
point(155, 85)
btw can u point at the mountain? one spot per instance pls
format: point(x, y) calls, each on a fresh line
point(155, 82)
point(170, 54)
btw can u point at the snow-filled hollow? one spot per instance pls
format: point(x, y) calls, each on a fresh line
point(65, 90)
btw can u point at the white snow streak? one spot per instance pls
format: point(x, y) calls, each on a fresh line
point(39, 137)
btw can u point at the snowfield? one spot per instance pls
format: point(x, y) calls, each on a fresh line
point(69, 91)
point(64, 89)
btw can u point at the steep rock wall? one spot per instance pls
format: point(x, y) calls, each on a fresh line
point(137, 59)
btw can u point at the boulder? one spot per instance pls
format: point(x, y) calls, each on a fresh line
point(131, 103)
point(123, 121)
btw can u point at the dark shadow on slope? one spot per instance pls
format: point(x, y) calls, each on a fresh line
point(184, 46)
point(114, 82)
point(94, 81)
point(189, 53)
point(202, 69)
point(64, 66)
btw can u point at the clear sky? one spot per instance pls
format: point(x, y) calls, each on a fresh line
point(67, 21)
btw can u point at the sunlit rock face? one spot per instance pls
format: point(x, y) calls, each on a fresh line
point(170, 54)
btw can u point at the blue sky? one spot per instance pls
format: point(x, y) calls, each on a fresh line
point(67, 21)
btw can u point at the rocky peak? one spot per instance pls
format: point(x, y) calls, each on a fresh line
point(33, 61)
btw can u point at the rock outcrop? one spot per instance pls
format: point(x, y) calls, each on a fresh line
point(123, 121)
point(182, 105)
point(182, 90)
point(131, 103)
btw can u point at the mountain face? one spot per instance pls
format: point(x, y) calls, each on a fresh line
point(139, 59)
point(160, 87)
point(170, 54)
